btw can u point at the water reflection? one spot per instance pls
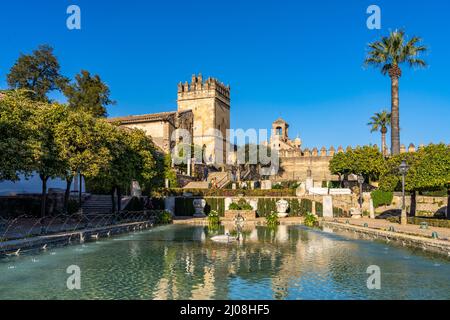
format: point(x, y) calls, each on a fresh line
point(181, 262)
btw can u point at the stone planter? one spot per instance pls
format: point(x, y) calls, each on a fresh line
point(356, 213)
point(199, 206)
point(246, 214)
point(282, 206)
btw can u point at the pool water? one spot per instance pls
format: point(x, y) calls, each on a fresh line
point(182, 262)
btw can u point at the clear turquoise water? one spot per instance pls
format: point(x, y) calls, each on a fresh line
point(181, 262)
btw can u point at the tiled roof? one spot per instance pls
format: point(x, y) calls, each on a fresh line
point(162, 116)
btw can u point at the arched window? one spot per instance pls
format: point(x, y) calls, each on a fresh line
point(279, 131)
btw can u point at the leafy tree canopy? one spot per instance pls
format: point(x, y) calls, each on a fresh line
point(367, 161)
point(15, 132)
point(39, 73)
point(88, 93)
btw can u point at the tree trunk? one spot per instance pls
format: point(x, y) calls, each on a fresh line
point(80, 192)
point(113, 200)
point(119, 199)
point(395, 115)
point(67, 193)
point(412, 209)
point(43, 195)
point(448, 203)
point(383, 144)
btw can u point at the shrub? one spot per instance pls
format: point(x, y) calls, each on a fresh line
point(435, 193)
point(163, 217)
point(277, 187)
point(213, 217)
point(311, 220)
point(72, 206)
point(272, 220)
point(381, 198)
point(241, 205)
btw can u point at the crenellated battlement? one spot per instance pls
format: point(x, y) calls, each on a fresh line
point(330, 152)
point(198, 87)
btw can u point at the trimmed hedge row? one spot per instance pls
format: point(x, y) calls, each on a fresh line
point(231, 193)
point(185, 206)
point(381, 198)
point(296, 208)
point(340, 213)
point(442, 223)
point(319, 209)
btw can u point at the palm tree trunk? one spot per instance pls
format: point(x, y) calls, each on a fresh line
point(383, 144)
point(395, 115)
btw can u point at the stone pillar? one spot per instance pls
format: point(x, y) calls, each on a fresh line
point(328, 207)
point(371, 209)
point(189, 163)
point(228, 201)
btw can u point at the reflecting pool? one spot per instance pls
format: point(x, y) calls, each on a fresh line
point(181, 262)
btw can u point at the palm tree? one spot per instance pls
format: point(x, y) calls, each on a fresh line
point(380, 121)
point(388, 54)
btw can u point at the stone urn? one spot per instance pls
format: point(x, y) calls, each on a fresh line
point(199, 206)
point(282, 206)
point(356, 213)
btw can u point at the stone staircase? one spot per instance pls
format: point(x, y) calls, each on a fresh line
point(101, 204)
point(221, 179)
point(197, 185)
point(97, 204)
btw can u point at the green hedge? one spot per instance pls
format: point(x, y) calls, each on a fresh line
point(340, 213)
point(381, 198)
point(296, 208)
point(443, 223)
point(185, 207)
point(319, 209)
point(230, 193)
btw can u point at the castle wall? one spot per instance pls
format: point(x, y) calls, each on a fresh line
point(159, 131)
point(296, 169)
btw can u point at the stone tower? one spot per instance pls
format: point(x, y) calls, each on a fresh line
point(210, 104)
point(280, 130)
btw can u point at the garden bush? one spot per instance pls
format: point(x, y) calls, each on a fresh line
point(272, 220)
point(310, 220)
point(240, 205)
point(381, 198)
point(163, 217)
point(213, 217)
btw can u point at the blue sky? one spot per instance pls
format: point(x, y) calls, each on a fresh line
point(301, 60)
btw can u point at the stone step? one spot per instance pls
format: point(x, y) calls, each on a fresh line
point(197, 185)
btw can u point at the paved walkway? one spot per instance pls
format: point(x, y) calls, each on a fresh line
point(411, 229)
